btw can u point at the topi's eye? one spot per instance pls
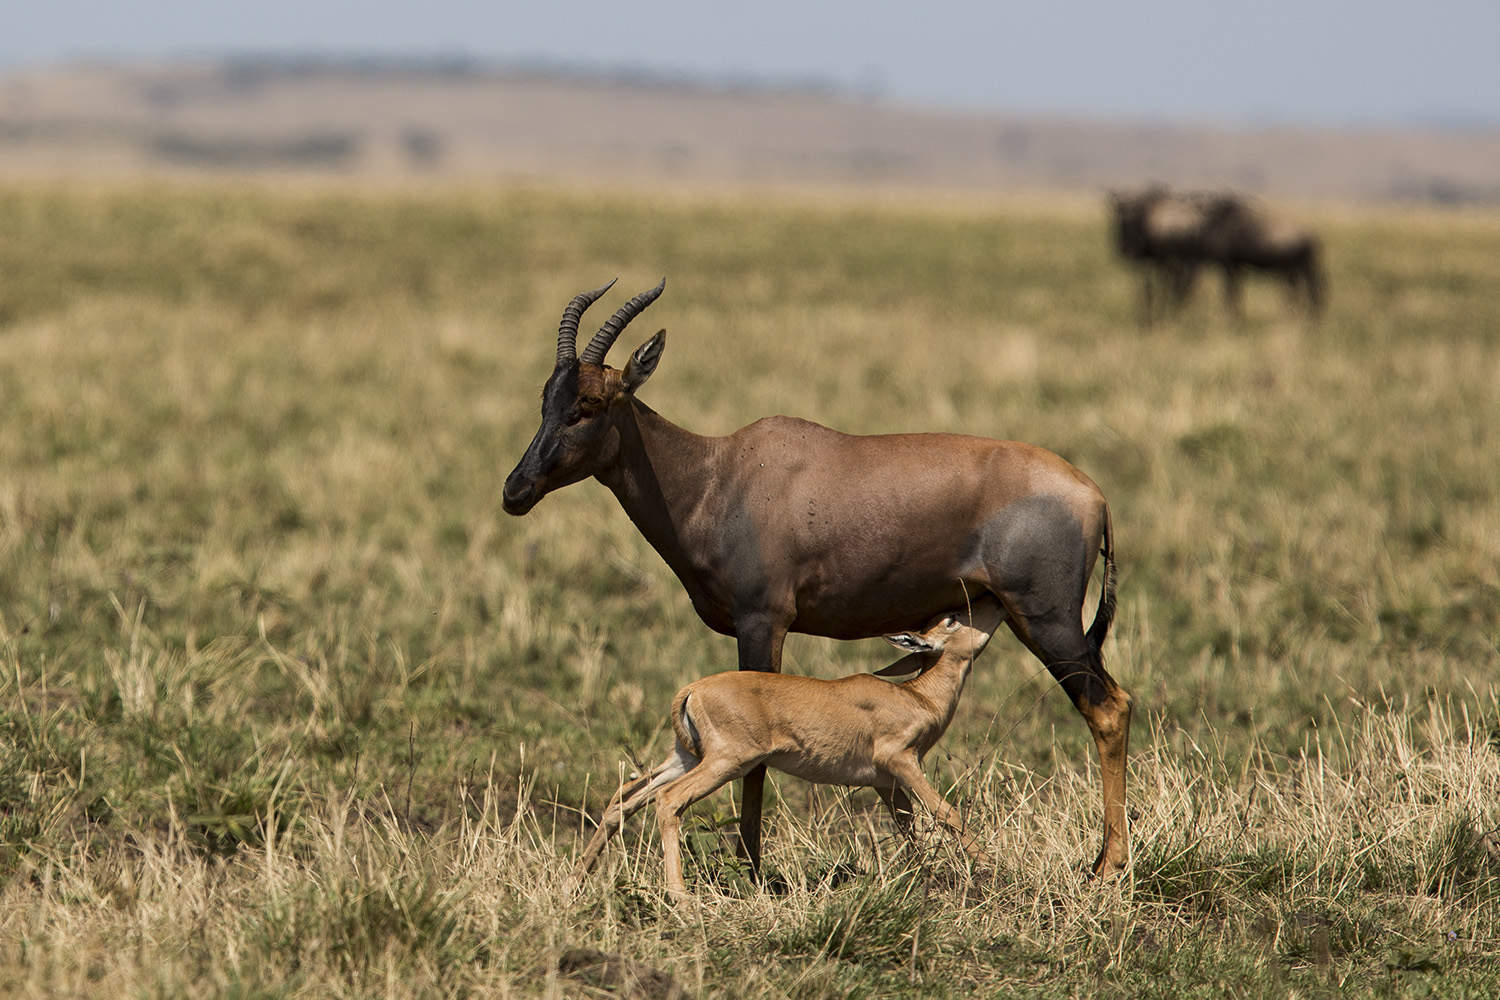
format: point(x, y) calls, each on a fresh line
point(586, 406)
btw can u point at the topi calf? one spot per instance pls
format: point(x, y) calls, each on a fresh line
point(857, 730)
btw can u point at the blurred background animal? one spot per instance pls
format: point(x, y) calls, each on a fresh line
point(1239, 235)
point(1171, 236)
point(1161, 233)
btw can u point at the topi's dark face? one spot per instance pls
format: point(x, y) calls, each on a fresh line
point(578, 437)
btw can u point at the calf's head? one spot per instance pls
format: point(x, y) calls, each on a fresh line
point(578, 437)
point(965, 633)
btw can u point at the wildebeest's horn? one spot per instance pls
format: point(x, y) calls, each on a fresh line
point(605, 338)
point(567, 330)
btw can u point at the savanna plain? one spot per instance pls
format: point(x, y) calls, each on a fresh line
point(289, 708)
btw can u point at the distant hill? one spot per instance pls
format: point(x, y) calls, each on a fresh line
point(459, 120)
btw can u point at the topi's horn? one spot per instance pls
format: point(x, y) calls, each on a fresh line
point(605, 338)
point(567, 330)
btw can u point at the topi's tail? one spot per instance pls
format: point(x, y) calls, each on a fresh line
point(1105, 616)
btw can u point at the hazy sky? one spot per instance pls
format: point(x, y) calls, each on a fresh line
point(1295, 61)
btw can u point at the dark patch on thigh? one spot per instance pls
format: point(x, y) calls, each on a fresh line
point(1034, 553)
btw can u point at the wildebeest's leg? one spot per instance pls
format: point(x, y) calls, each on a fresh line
point(760, 642)
point(1148, 293)
point(1312, 278)
point(1233, 296)
point(1183, 274)
point(1296, 288)
point(1302, 280)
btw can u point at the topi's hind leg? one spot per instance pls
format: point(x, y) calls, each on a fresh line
point(1058, 641)
point(1047, 557)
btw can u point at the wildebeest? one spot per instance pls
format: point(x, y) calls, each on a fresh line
point(1239, 236)
point(1172, 235)
point(1162, 233)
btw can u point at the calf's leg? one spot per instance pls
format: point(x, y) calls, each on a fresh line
point(673, 800)
point(906, 769)
point(629, 800)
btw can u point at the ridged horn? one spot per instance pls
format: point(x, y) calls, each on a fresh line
point(605, 338)
point(567, 330)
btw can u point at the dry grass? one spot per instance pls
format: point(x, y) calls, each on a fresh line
point(1254, 877)
point(288, 709)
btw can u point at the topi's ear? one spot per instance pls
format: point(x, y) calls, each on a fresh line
point(643, 362)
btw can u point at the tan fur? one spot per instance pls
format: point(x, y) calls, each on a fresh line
point(857, 730)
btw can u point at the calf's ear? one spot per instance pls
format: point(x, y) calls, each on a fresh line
point(643, 362)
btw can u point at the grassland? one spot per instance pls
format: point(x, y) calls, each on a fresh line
point(289, 709)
